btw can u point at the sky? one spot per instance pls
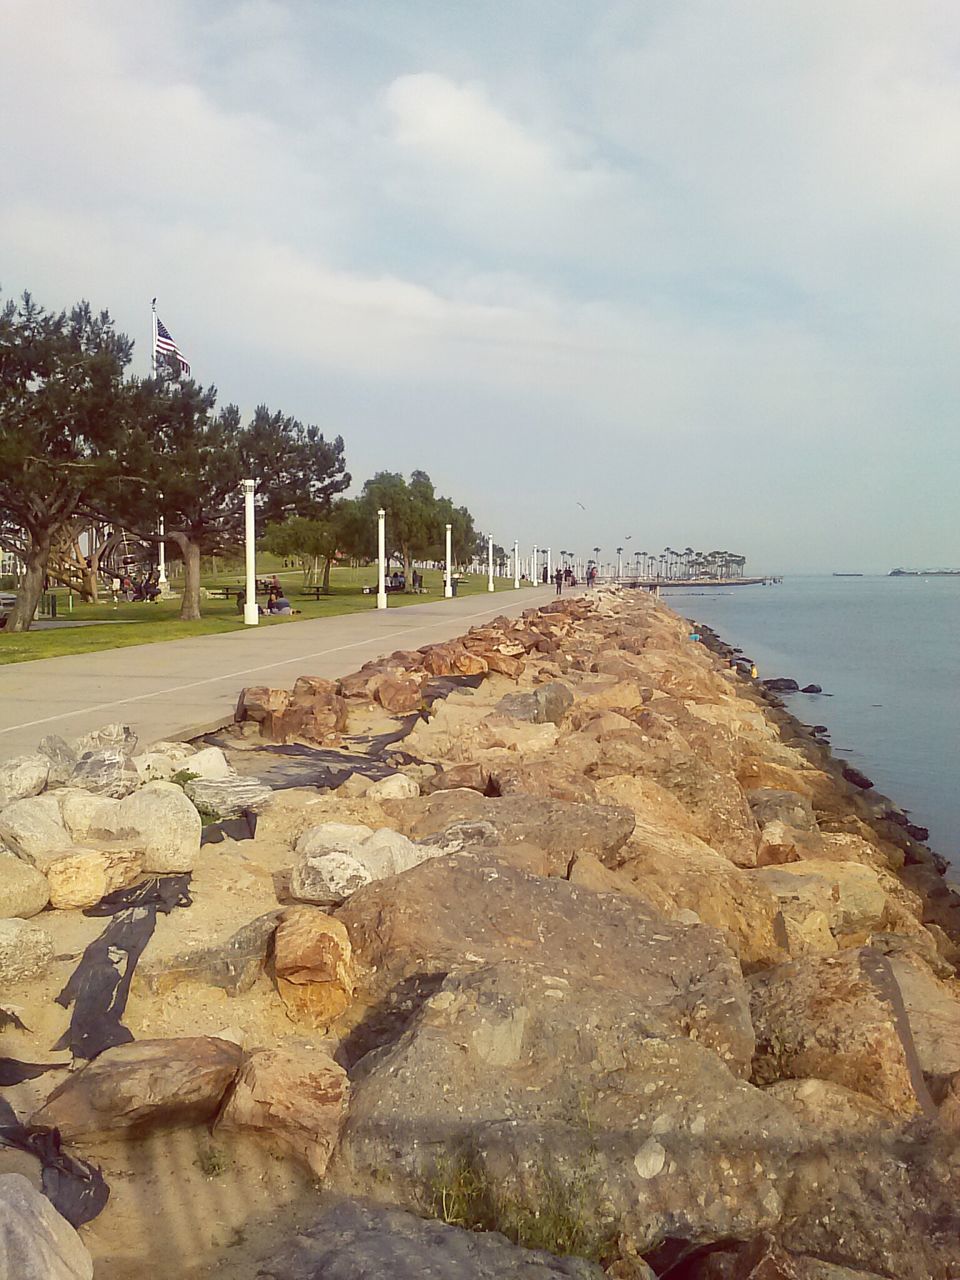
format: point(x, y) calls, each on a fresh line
point(640, 273)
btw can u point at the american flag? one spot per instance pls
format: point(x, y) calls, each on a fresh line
point(167, 347)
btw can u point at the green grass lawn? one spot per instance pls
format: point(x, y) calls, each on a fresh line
point(130, 624)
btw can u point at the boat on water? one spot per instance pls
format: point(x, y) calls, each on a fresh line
point(848, 575)
point(924, 573)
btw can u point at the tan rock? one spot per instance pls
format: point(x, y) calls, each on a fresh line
point(294, 1098)
point(399, 694)
point(933, 1012)
point(589, 872)
point(261, 703)
point(850, 894)
point(314, 968)
point(150, 1084)
point(452, 659)
point(837, 1018)
point(82, 877)
point(836, 1113)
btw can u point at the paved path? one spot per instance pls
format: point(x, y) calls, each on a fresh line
point(188, 686)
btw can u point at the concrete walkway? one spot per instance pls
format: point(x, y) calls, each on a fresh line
point(183, 687)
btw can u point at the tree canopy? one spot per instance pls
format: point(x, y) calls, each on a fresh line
point(63, 413)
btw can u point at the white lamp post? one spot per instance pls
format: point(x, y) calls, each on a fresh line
point(549, 565)
point(381, 559)
point(490, 586)
point(516, 565)
point(162, 575)
point(448, 580)
point(251, 614)
point(535, 576)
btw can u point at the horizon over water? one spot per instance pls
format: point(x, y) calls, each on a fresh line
point(886, 649)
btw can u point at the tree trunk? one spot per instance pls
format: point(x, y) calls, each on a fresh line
point(31, 583)
point(190, 602)
point(407, 571)
point(328, 561)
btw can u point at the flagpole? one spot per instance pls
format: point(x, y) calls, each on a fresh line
point(153, 344)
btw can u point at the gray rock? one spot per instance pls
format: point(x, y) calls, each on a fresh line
point(119, 736)
point(563, 827)
point(91, 817)
point(24, 890)
point(327, 878)
point(548, 703)
point(209, 762)
point(770, 805)
point(36, 1243)
point(32, 828)
point(388, 853)
point(167, 823)
point(62, 757)
point(475, 909)
point(23, 776)
point(539, 1088)
point(25, 951)
point(362, 1242)
point(228, 797)
point(109, 771)
point(232, 965)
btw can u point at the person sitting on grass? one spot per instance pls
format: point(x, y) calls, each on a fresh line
point(278, 604)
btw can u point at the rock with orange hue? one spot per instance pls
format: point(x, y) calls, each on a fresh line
point(838, 1018)
point(261, 703)
point(400, 694)
point(314, 968)
point(452, 659)
point(296, 1098)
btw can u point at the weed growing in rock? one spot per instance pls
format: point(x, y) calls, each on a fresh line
point(211, 1162)
point(563, 1221)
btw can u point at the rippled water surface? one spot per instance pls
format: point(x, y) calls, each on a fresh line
point(888, 650)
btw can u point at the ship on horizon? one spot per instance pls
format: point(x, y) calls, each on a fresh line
point(924, 573)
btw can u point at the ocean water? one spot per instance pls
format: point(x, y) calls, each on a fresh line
point(887, 651)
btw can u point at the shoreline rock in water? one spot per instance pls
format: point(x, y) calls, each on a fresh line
point(605, 952)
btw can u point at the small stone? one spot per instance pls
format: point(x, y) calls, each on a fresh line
point(210, 763)
point(24, 890)
point(61, 757)
point(397, 787)
point(313, 962)
point(327, 877)
point(25, 951)
point(650, 1159)
point(23, 776)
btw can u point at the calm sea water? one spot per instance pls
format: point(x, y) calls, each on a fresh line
point(887, 650)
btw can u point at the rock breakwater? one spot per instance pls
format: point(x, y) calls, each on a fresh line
point(595, 947)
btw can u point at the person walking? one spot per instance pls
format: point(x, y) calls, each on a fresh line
point(558, 578)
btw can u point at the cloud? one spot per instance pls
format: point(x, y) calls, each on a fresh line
point(696, 262)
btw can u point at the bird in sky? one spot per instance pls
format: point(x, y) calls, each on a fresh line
point(581, 506)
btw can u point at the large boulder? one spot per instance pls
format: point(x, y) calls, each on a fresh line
point(90, 817)
point(536, 1088)
point(168, 824)
point(365, 1242)
point(23, 776)
point(933, 1011)
point(313, 963)
point(838, 1018)
point(452, 659)
point(790, 807)
point(562, 827)
point(135, 1088)
point(61, 759)
point(294, 1098)
point(24, 890)
point(32, 828)
point(36, 1243)
point(408, 932)
point(334, 859)
point(26, 951)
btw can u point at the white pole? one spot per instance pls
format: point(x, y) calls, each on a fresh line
point(516, 565)
point(549, 565)
point(251, 614)
point(535, 576)
point(448, 580)
point(162, 576)
point(153, 344)
point(381, 559)
point(490, 586)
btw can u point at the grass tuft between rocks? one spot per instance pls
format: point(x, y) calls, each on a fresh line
point(563, 1221)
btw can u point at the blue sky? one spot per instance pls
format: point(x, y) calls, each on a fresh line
point(693, 263)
